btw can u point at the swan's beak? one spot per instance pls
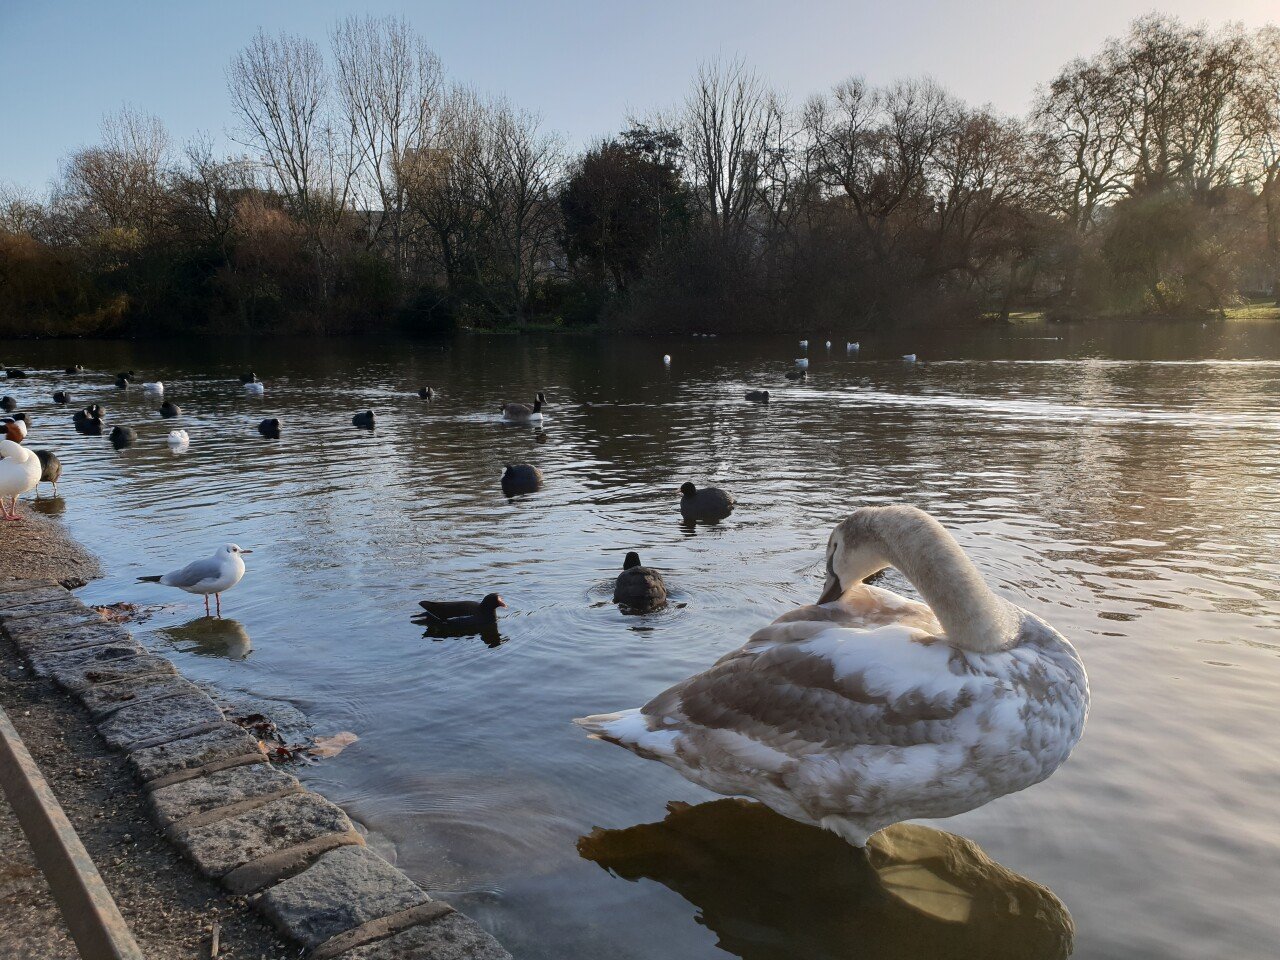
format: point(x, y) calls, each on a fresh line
point(833, 589)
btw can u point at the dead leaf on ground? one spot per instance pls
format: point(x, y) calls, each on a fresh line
point(117, 612)
point(332, 746)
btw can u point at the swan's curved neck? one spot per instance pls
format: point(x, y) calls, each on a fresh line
point(920, 548)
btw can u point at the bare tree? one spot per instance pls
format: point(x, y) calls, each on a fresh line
point(389, 83)
point(280, 89)
point(120, 184)
point(728, 122)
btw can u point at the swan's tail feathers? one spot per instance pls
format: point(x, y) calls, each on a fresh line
point(633, 730)
point(148, 579)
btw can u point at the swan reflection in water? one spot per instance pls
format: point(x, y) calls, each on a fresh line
point(774, 889)
point(211, 637)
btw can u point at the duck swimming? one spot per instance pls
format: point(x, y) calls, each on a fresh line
point(706, 505)
point(8, 403)
point(520, 478)
point(169, 410)
point(61, 397)
point(462, 616)
point(122, 437)
point(522, 412)
point(270, 428)
point(868, 708)
point(639, 587)
point(426, 393)
point(365, 420)
point(758, 396)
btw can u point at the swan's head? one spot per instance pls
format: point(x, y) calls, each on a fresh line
point(854, 552)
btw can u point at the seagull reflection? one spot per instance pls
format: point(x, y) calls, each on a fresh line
point(774, 889)
point(211, 637)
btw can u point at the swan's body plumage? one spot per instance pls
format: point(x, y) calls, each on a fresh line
point(870, 708)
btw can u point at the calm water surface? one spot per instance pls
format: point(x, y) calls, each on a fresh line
point(1123, 483)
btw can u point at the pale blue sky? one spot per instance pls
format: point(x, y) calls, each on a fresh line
point(583, 65)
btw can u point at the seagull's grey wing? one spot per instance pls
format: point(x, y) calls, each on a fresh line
point(193, 573)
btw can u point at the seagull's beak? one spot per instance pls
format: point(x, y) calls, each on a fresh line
point(246, 551)
point(833, 589)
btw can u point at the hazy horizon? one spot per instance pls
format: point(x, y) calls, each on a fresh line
point(583, 68)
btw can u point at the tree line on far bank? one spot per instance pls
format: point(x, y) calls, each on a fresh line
point(375, 195)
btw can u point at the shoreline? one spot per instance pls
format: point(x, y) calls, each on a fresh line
point(174, 775)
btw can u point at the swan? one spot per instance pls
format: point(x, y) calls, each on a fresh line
point(867, 708)
point(254, 388)
point(19, 472)
point(178, 440)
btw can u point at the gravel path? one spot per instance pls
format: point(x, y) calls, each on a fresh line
point(169, 907)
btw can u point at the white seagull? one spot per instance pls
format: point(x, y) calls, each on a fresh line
point(213, 575)
point(157, 388)
point(178, 440)
point(255, 389)
point(868, 708)
point(19, 472)
point(802, 362)
point(853, 346)
point(909, 357)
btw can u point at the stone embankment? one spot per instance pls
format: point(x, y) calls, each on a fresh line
point(241, 820)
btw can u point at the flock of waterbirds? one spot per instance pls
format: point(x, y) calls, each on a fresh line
point(850, 714)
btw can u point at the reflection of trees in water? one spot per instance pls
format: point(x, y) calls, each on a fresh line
point(211, 637)
point(774, 889)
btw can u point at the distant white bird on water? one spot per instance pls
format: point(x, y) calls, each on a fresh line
point(213, 575)
point(802, 362)
point(909, 357)
point(867, 708)
point(666, 358)
point(853, 346)
point(255, 389)
point(828, 344)
point(804, 344)
point(178, 440)
point(19, 472)
point(156, 388)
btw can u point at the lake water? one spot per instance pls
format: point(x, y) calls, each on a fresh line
point(1123, 482)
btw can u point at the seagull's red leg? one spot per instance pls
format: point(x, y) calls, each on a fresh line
point(218, 597)
point(206, 604)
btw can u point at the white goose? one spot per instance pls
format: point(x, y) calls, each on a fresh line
point(19, 472)
point(868, 708)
